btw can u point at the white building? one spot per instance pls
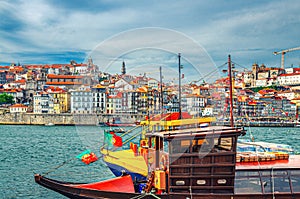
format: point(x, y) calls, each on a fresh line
point(261, 82)
point(114, 104)
point(81, 101)
point(80, 69)
point(123, 85)
point(289, 79)
point(43, 103)
point(99, 99)
point(193, 104)
point(153, 83)
point(208, 111)
point(18, 108)
point(288, 94)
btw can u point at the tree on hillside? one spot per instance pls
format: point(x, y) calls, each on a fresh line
point(6, 99)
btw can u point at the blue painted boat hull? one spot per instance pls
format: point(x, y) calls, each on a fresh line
point(117, 171)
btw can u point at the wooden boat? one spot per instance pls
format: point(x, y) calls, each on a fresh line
point(200, 163)
point(49, 124)
point(116, 124)
point(134, 160)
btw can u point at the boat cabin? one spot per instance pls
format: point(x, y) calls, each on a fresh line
point(199, 160)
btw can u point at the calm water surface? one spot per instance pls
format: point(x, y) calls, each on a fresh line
point(26, 150)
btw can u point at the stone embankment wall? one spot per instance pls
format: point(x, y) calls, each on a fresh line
point(57, 119)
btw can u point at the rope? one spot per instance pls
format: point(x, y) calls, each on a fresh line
point(134, 136)
point(273, 186)
point(57, 167)
point(191, 194)
point(145, 195)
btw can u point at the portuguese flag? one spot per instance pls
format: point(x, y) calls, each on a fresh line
point(87, 157)
point(112, 139)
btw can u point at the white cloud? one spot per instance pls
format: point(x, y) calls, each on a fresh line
point(247, 29)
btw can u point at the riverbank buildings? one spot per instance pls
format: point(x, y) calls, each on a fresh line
point(82, 89)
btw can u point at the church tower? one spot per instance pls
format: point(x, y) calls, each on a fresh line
point(123, 71)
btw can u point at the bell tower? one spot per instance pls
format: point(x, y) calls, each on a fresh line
point(123, 71)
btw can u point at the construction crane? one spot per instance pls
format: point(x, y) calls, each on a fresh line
point(283, 53)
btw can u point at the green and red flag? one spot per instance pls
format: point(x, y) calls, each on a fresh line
point(112, 139)
point(117, 141)
point(108, 136)
point(87, 157)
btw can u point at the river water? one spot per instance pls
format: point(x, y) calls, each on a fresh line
point(26, 150)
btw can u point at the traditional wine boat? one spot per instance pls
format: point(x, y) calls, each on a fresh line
point(134, 159)
point(192, 162)
point(198, 163)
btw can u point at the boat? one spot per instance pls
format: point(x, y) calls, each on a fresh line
point(119, 124)
point(187, 160)
point(49, 124)
point(109, 124)
point(200, 163)
point(133, 159)
point(251, 146)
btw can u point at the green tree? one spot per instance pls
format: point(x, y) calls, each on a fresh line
point(6, 99)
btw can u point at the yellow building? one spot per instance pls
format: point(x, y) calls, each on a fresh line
point(63, 102)
point(297, 102)
point(61, 99)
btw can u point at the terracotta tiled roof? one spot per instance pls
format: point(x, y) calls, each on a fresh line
point(52, 76)
point(55, 89)
point(22, 81)
point(8, 90)
point(289, 74)
point(4, 67)
point(18, 106)
point(142, 89)
point(63, 83)
point(80, 65)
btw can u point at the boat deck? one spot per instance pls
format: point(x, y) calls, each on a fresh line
point(292, 163)
point(195, 131)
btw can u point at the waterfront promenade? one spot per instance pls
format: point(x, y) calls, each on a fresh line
point(68, 119)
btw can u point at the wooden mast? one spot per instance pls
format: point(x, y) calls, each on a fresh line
point(230, 92)
point(179, 89)
point(161, 93)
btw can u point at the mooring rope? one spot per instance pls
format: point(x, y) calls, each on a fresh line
point(57, 167)
point(144, 195)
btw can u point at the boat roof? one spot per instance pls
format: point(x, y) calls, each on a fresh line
point(292, 163)
point(187, 132)
point(179, 122)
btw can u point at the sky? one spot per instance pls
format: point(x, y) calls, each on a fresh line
point(149, 34)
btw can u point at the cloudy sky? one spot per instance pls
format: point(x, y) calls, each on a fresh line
point(56, 31)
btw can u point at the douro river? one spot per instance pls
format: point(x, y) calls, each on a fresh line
point(26, 150)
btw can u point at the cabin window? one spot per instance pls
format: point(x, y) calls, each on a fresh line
point(201, 182)
point(209, 144)
point(221, 181)
point(180, 182)
point(247, 185)
point(281, 184)
point(180, 146)
point(295, 179)
point(202, 145)
point(267, 184)
point(151, 142)
point(225, 144)
point(166, 148)
point(273, 183)
point(247, 173)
